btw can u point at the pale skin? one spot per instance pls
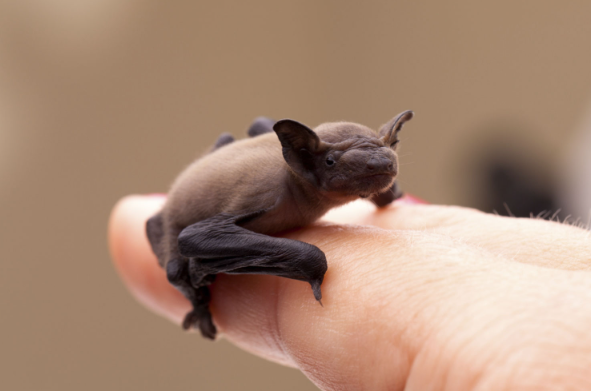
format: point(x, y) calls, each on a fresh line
point(416, 297)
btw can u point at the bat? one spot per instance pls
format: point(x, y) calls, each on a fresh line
point(222, 210)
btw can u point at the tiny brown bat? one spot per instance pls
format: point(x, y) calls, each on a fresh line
point(222, 209)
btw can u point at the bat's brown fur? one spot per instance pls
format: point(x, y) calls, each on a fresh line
point(286, 174)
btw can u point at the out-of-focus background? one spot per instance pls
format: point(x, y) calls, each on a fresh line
point(102, 98)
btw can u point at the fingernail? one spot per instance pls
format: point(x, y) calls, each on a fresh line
point(156, 195)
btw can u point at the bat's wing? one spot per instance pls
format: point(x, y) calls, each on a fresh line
point(224, 139)
point(219, 245)
point(261, 125)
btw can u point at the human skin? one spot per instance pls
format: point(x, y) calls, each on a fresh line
point(417, 297)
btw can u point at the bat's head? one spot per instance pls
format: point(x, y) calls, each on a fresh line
point(343, 159)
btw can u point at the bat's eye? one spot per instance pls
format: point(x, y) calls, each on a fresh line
point(394, 143)
point(330, 161)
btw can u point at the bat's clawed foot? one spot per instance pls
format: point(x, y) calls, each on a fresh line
point(200, 318)
point(195, 289)
point(386, 198)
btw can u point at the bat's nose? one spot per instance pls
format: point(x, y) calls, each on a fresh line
point(380, 164)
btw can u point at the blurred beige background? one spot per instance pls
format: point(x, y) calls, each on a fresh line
point(102, 98)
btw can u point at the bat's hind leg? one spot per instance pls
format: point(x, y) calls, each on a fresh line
point(178, 272)
point(221, 245)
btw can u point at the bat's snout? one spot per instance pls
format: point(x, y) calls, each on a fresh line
point(381, 165)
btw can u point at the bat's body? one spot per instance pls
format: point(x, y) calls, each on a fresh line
point(222, 208)
point(260, 160)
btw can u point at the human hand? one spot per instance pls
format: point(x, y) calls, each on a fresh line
point(419, 296)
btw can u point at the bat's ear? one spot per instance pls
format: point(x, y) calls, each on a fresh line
point(296, 136)
point(389, 131)
point(300, 144)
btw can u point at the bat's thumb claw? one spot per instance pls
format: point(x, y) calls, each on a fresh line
point(316, 290)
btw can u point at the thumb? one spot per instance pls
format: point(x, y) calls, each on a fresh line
point(385, 295)
point(275, 318)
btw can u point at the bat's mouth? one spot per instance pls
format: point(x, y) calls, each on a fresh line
point(363, 185)
point(378, 178)
point(381, 176)
point(375, 183)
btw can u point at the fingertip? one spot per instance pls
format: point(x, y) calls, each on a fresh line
point(127, 214)
point(133, 258)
